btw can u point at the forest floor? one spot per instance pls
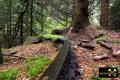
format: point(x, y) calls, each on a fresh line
point(91, 54)
point(93, 48)
point(16, 58)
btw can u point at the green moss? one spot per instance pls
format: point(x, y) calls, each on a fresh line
point(99, 39)
point(8, 75)
point(35, 66)
point(51, 36)
point(97, 78)
point(116, 42)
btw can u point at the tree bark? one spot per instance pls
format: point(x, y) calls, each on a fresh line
point(80, 14)
point(31, 27)
point(1, 56)
point(104, 13)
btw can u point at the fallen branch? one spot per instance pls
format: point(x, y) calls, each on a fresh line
point(84, 40)
point(12, 52)
point(87, 45)
point(101, 57)
point(13, 56)
point(106, 45)
point(116, 54)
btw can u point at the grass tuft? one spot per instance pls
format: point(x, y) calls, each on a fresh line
point(8, 75)
point(35, 65)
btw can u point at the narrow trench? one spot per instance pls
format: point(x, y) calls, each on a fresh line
point(68, 71)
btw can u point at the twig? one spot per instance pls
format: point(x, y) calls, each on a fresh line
point(13, 56)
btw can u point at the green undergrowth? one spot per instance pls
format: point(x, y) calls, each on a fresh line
point(116, 41)
point(36, 65)
point(8, 74)
point(97, 78)
point(99, 39)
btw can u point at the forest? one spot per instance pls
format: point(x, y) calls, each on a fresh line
point(59, 40)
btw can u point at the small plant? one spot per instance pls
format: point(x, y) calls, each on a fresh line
point(35, 65)
point(99, 39)
point(116, 42)
point(97, 78)
point(8, 75)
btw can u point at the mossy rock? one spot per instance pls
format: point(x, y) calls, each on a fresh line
point(33, 40)
point(41, 38)
point(51, 37)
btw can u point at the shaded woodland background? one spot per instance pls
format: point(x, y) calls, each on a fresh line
point(20, 19)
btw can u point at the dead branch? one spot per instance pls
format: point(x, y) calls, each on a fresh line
point(101, 57)
point(12, 52)
point(87, 45)
point(106, 45)
point(116, 54)
point(84, 40)
point(13, 56)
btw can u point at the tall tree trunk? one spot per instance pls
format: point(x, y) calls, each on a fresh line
point(10, 22)
point(42, 17)
point(104, 13)
point(80, 14)
point(1, 56)
point(31, 27)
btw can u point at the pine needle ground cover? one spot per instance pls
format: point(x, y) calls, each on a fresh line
point(35, 60)
point(32, 67)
